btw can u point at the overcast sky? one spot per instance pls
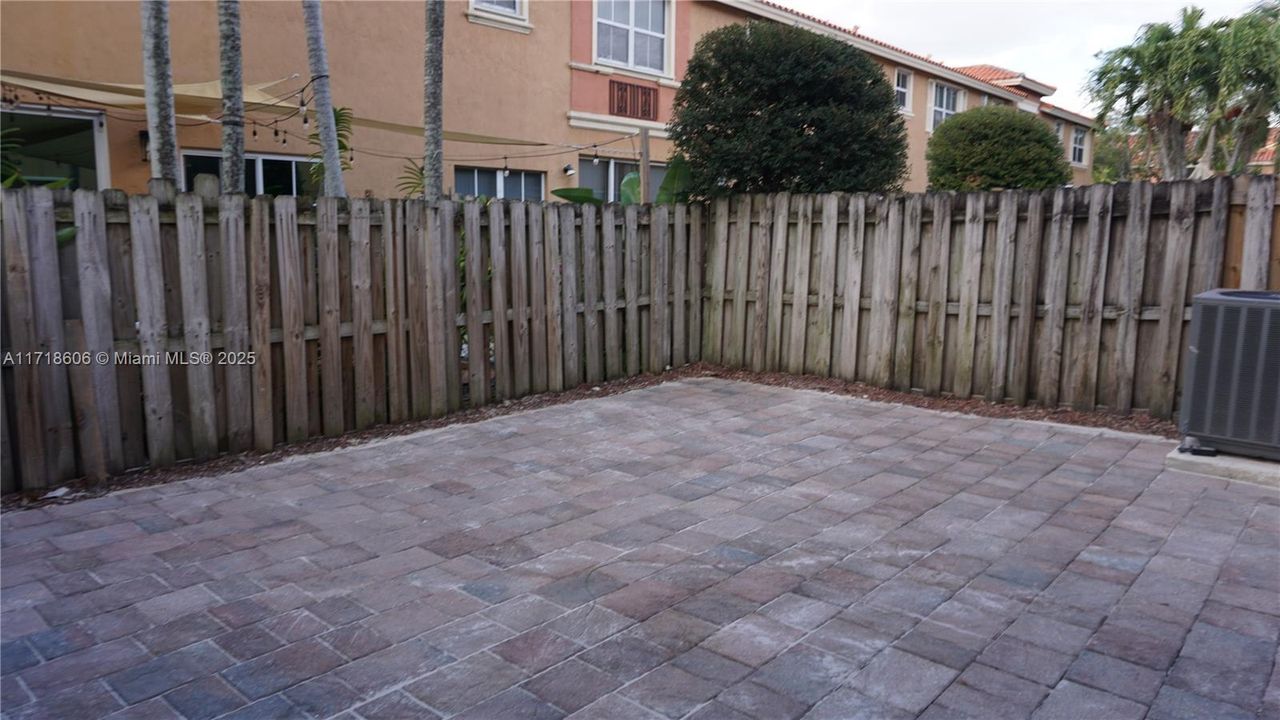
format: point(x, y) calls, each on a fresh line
point(1053, 41)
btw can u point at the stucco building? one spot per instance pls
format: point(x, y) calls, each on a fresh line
point(572, 81)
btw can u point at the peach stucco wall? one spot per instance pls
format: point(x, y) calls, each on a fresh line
point(498, 81)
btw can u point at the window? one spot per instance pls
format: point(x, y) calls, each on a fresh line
point(1079, 137)
point(510, 7)
point(263, 174)
point(492, 182)
point(632, 33)
point(604, 176)
point(57, 144)
point(946, 102)
point(902, 89)
point(502, 14)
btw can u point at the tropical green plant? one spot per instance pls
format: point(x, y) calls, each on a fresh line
point(675, 184)
point(579, 195)
point(342, 117)
point(1120, 155)
point(629, 191)
point(673, 189)
point(10, 167)
point(1222, 77)
point(1249, 86)
point(768, 107)
point(995, 147)
point(412, 179)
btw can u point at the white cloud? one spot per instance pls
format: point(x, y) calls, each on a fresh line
point(1052, 41)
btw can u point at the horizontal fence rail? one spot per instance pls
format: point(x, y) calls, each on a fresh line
point(181, 326)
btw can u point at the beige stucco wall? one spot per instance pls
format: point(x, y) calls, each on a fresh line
point(497, 81)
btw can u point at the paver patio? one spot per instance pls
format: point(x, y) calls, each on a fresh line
point(702, 549)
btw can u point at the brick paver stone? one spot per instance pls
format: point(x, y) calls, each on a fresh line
point(702, 549)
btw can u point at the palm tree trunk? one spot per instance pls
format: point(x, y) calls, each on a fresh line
point(157, 74)
point(1171, 137)
point(433, 102)
point(232, 167)
point(319, 62)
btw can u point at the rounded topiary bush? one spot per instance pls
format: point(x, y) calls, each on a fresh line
point(765, 107)
point(995, 147)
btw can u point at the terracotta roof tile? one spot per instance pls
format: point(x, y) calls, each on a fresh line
point(987, 73)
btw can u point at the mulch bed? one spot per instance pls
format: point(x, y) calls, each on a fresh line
point(1138, 422)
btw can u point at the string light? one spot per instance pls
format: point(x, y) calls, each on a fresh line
point(11, 97)
point(506, 171)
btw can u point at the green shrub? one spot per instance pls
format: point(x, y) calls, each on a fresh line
point(766, 107)
point(995, 147)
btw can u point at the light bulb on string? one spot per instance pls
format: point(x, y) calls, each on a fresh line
point(506, 171)
point(595, 159)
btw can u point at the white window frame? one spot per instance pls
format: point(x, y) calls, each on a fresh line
point(933, 100)
point(482, 13)
point(668, 51)
point(98, 120)
point(1083, 146)
point(501, 182)
point(257, 165)
point(492, 6)
point(905, 109)
point(611, 175)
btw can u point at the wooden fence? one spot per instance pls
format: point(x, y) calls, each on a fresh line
point(284, 322)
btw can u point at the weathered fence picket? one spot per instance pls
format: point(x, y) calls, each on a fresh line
point(332, 317)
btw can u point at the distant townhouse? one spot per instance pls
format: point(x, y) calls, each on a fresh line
point(538, 95)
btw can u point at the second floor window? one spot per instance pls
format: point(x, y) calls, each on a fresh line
point(632, 33)
point(510, 7)
point(902, 89)
point(1079, 136)
point(946, 102)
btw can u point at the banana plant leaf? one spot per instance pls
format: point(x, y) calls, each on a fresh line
point(675, 185)
point(630, 189)
point(578, 195)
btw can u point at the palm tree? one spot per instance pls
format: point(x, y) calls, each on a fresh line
point(1249, 85)
point(232, 168)
point(1222, 77)
point(319, 62)
point(1158, 84)
point(157, 74)
point(433, 102)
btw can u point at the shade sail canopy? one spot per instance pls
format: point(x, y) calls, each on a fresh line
point(204, 100)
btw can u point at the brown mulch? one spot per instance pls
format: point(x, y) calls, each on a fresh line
point(1138, 422)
